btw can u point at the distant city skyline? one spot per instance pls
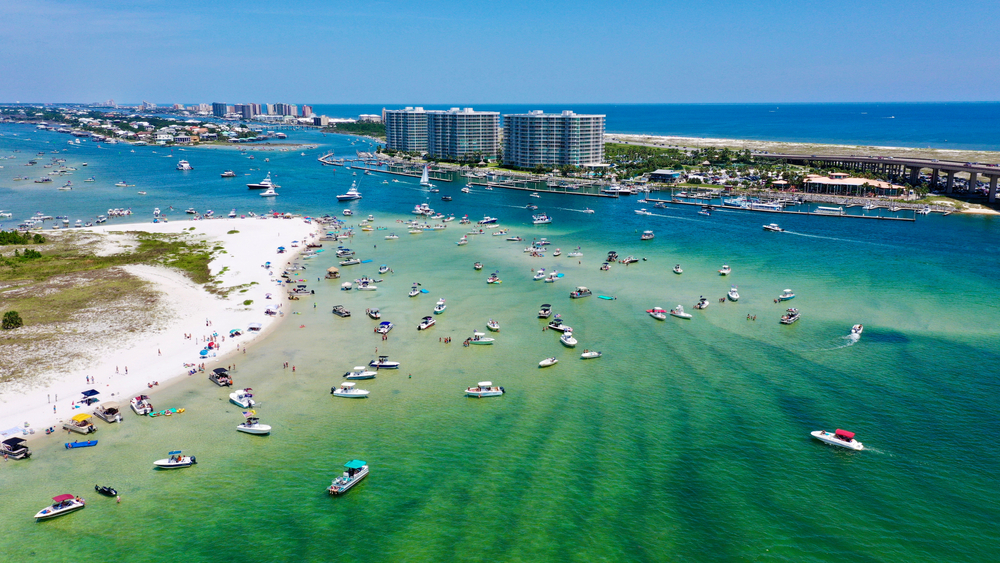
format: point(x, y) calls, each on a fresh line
point(516, 53)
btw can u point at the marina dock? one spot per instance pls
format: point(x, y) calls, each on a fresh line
point(781, 212)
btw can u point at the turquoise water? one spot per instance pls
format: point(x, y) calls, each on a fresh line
point(687, 440)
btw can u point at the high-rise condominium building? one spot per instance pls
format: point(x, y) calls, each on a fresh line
point(462, 134)
point(307, 111)
point(406, 129)
point(553, 139)
point(219, 109)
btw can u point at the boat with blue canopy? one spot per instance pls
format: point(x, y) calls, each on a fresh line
point(354, 471)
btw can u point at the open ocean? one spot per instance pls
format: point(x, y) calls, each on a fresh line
point(687, 441)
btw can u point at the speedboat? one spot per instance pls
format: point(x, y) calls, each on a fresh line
point(702, 303)
point(384, 327)
point(545, 311)
point(857, 329)
point(580, 292)
point(678, 270)
point(774, 228)
point(465, 190)
point(791, 315)
point(493, 326)
point(462, 241)
point(557, 324)
point(373, 313)
point(264, 184)
point(426, 323)
point(175, 461)
point(229, 174)
point(348, 213)
point(557, 252)
point(269, 192)
point(484, 389)
point(356, 471)
point(252, 425)
point(184, 165)
point(678, 312)
point(646, 235)
point(106, 491)
point(548, 362)
point(733, 295)
point(480, 338)
point(534, 194)
point(359, 372)
point(539, 275)
point(392, 236)
point(141, 405)
point(348, 391)
point(726, 270)
point(658, 313)
point(477, 266)
point(587, 210)
point(841, 438)
point(494, 278)
point(62, 504)
point(383, 269)
point(242, 398)
point(439, 307)
point(383, 363)
point(567, 339)
point(589, 355)
point(414, 291)
point(786, 295)
point(350, 262)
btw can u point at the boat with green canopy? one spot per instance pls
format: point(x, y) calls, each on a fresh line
point(354, 471)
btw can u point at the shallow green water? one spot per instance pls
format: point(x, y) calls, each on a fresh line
point(687, 440)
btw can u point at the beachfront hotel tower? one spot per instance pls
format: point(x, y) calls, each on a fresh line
point(553, 139)
point(406, 129)
point(463, 134)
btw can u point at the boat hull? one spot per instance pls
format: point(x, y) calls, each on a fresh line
point(831, 439)
point(49, 513)
point(257, 430)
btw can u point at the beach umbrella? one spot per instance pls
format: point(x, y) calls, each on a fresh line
point(204, 352)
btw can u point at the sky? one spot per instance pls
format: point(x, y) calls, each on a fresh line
point(514, 51)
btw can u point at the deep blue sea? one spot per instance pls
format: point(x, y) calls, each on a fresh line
point(967, 126)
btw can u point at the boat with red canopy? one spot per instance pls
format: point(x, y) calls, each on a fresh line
point(842, 438)
point(62, 504)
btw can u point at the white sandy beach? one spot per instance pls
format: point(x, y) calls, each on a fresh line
point(160, 354)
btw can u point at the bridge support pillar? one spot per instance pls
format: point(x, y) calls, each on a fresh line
point(914, 175)
point(993, 189)
point(935, 177)
point(950, 182)
point(973, 180)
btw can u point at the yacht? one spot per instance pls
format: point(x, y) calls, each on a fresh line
point(184, 165)
point(646, 235)
point(356, 471)
point(733, 295)
point(62, 504)
point(352, 193)
point(484, 389)
point(439, 307)
point(774, 228)
point(580, 292)
point(791, 315)
point(678, 270)
point(141, 405)
point(542, 219)
point(786, 295)
point(493, 326)
point(567, 339)
point(548, 362)
point(726, 270)
point(841, 438)
point(545, 311)
point(252, 425)
point(426, 323)
point(242, 398)
point(658, 313)
point(264, 184)
point(383, 363)
point(228, 174)
point(702, 303)
point(857, 329)
point(348, 391)
point(359, 372)
point(678, 312)
point(480, 338)
point(487, 220)
point(269, 192)
point(175, 461)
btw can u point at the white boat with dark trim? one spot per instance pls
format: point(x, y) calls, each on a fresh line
point(567, 339)
point(774, 228)
point(647, 235)
point(356, 470)
point(786, 295)
point(252, 425)
point(184, 165)
point(841, 438)
point(269, 192)
point(548, 362)
point(359, 372)
point(702, 303)
point(264, 184)
point(383, 363)
point(678, 270)
point(857, 329)
point(62, 504)
point(480, 338)
point(348, 391)
point(590, 355)
point(439, 307)
point(791, 315)
point(493, 325)
point(678, 312)
point(426, 323)
point(658, 313)
point(726, 270)
point(141, 405)
point(175, 460)
point(733, 295)
point(484, 389)
point(351, 194)
point(242, 398)
point(384, 327)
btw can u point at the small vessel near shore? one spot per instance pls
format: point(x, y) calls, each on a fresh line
point(484, 389)
point(857, 329)
point(658, 313)
point(791, 315)
point(383, 363)
point(493, 326)
point(228, 174)
point(141, 405)
point(242, 398)
point(359, 372)
point(356, 470)
point(786, 295)
point(567, 339)
point(548, 362)
point(841, 438)
point(702, 303)
point(269, 192)
point(347, 390)
point(678, 312)
point(557, 325)
point(220, 377)
point(175, 460)
point(62, 504)
point(184, 165)
point(439, 307)
point(252, 425)
point(733, 295)
point(480, 338)
point(426, 323)
point(109, 411)
point(545, 311)
point(678, 270)
point(726, 270)
point(384, 327)
point(590, 355)
point(106, 491)
point(580, 292)
point(82, 423)
point(647, 235)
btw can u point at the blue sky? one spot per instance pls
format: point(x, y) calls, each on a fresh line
point(499, 52)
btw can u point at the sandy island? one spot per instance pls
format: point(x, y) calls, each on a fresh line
point(161, 353)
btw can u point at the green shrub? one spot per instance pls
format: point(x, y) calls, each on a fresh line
point(248, 302)
point(12, 320)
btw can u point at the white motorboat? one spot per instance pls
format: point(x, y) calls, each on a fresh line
point(678, 270)
point(493, 326)
point(359, 372)
point(383, 363)
point(439, 307)
point(242, 398)
point(184, 165)
point(348, 391)
point(658, 313)
point(466, 190)
point(484, 389)
point(545, 311)
point(351, 194)
point(647, 235)
point(373, 313)
point(392, 236)
point(228, 174)
point(774, 228)
point(462, 241)
point(552, 277)
point(786, 295)
point(350, 262)
point(791, 315)
point(426, 323)
point(567, 339)
point(175, 460)
point(252, 425)
point(383, 269)
point(348, 213)
point(733, 295)
point(726, 270)
point(557, 324)
point(346, 286)
point(702, 303)
point(480, 338)
point(62, 504)
point(580, 292)
point(141, 405)
point(269, 192)
point(548, 362)
point(356, 471)
point(367, 286)
point(534, 194)
point(841, 438)
point(414, 291)
point(590, 355)
point(494, 279)
point(384, 327)
point(539, 275)
point(264, 184)
point(542, 219)
point(678, 312)
point(857, 329)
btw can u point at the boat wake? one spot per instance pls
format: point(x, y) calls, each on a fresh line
point(842, 342)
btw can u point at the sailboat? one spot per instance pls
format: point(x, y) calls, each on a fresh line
point(425, 178)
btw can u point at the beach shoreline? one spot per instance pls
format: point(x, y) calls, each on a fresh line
point(125, 367)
